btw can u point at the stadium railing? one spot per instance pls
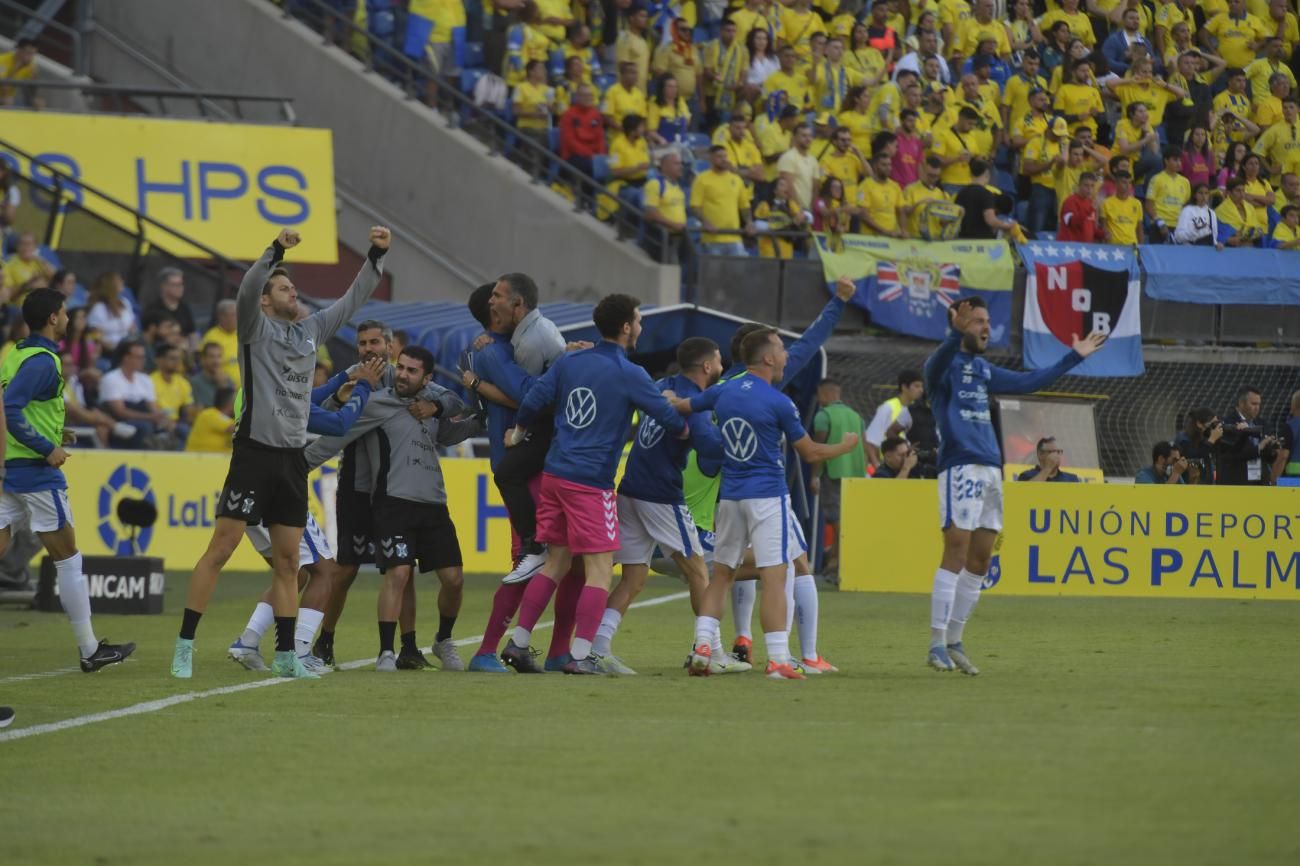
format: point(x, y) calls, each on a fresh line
point(169, 101)
point(101, 233)
point(486, 124)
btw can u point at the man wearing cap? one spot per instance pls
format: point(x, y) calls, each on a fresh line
point(1044, 157)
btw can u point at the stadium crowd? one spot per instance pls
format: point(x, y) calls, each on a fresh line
point(1113, 121)
point(137, 377)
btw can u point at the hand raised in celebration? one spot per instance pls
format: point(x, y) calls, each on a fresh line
point(371, 371)
point(288, 238)
point(961, 316)
point(844, 289)
point(380, 237)
point(1088, 344)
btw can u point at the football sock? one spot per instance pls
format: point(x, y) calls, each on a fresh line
point(591, 604)
point(968, 595)
point(189, 623)
point(74, 594)
point(806, 605)
point(566, 614)
point(408, 642)
point(536, 598)
point(284, 627)
point(708, 629)
point(308, 621)
point(743, 595)
point(386, 632)
point(504, 604)
point(941, 599)
point(778, 646)
point(258, 623)
point(604, 641)
point(445, 625)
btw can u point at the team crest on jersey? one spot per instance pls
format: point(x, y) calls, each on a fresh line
point(650, 433)
point(739, 440)
point(580, 408)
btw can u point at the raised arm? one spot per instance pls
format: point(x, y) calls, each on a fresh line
point(456, 430)
point(248, 303)
point(1004, 381)
point(330, 388)
point(817, 452)
point(326, 323)
point(338, 422)
point(802, 350)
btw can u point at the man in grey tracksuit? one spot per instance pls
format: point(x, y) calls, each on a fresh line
point(267, 480)
point(409, 498)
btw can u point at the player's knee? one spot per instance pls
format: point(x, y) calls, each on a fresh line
point(452, 578)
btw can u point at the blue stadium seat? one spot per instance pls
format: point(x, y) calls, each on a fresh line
point(468, 79)
point(50, 256)
point(473, 55)
point(701, 166)
point(1005, 182)
point(605, 81)
point(556, 64)
point(699, 140)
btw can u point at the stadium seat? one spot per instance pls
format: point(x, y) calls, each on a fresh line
point(605, 82)
point(468, 79)
point(1005, 182)
point(698, 140)
point(474, 55)
point(556, 64)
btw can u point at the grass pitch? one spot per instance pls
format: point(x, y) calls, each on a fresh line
point(1101, 732)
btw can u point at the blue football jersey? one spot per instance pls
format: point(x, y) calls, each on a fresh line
point(754, 419)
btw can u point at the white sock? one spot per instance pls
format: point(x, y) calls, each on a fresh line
point(941, 599)
point(605, 634)
point(778, 646)
point(262, 618)
point(523, 636)
point(968, 594)
point(581, 648)
point(789, 597)
point(806, 604)
point(74, 594)
point(305, 631)
point(708, 629)
point(743, 595)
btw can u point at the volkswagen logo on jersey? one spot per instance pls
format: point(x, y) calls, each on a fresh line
point(649, 434)
point(739, 440)
point(580, 408)
point(124, 482)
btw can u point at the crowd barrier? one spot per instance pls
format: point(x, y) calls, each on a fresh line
point(1085, 540)
point(184, 488)
point(227, 186)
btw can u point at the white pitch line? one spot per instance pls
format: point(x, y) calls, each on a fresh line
point(164, 703)
point(22, 678)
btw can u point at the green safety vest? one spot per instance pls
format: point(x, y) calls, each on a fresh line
point(700, 490)
point(45, 416)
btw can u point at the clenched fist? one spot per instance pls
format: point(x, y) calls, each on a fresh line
point(289, 238)
point(380, 237)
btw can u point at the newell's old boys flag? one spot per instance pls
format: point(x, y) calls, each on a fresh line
point(908, 285)
point(1074, 289)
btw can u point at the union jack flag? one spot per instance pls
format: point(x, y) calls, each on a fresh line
point(919, 283)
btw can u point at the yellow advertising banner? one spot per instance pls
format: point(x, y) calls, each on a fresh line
point(1085, 540)
point(184, 488)
point(230, 186)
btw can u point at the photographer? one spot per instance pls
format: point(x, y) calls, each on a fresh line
point(1049, 463)
point(897, 459)
point(1198, 442)
point(1168, 466)
point(1244, 453)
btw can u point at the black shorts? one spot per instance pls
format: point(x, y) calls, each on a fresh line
point(356, 537)
point(265, 485)
point(407, 532)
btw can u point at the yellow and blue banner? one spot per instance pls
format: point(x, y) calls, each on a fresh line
point(1143, 541)
point(231, 187)
point(907, 285)
point(184, 488)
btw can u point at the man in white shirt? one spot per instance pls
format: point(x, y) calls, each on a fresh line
point(800, 168)
point(128, 395)
point(927, 45)
point(892, 417)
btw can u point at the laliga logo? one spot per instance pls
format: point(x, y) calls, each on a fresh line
point(995, 573)
point(739, 439)
point(124, 482)
point(580, 408)
point(650, 433)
